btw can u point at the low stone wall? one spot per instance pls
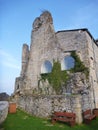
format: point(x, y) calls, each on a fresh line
point(44, 106)
point(3, 110)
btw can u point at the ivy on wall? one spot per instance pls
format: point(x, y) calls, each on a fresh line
point(57, 77)
point(79, 66)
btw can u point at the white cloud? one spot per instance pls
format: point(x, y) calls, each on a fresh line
point(11, 65)
point(8, 60)
point(10, 68)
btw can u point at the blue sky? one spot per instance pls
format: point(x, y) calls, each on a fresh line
point(16, 18)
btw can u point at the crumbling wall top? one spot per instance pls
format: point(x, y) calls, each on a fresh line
point(44, 18)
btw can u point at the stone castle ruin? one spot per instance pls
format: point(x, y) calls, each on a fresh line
point(37, 96)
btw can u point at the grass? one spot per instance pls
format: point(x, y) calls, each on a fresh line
point(22, 121)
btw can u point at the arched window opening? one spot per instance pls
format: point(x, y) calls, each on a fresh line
point(46, 67)
point(67, 63)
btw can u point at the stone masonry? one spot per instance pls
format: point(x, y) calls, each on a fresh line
point(46, 46)
point(3, 111)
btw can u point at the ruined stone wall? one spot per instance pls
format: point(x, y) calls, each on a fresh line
point(45, 106)
point(52, 46)
point(96, 71)
point(47, 45)
point(43, 47)
point(93, 67)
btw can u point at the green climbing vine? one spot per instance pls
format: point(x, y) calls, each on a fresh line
point(79, 66)
point(57, 77)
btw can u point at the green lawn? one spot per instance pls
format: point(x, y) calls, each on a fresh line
point(23, 121)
